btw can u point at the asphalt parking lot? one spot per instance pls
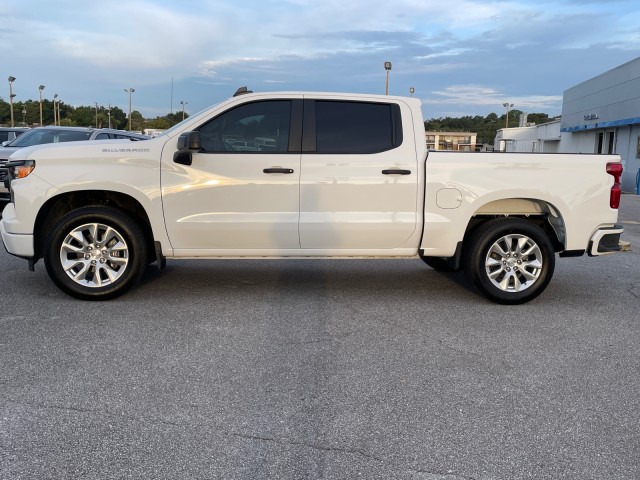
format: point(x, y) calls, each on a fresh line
point(323, 369)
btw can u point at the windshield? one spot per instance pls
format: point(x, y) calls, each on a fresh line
point(49, 135)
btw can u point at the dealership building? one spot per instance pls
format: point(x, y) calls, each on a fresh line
point(599, 116)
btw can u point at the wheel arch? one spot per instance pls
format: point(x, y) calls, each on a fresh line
point(56, 207)
point(543, 213)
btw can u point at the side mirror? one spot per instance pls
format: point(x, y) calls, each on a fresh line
point(188, 143)
point(5, 143)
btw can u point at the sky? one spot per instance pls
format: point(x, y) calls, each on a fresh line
point(462, 57)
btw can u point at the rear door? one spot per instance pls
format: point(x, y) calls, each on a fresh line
point(359, 175)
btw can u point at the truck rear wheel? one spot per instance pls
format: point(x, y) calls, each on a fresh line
point(95, 253)
point(510, 260)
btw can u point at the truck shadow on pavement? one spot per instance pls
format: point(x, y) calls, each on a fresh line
point(403, 279)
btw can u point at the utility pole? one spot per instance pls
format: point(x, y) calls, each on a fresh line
point(11, 95)
point(507, 105)
point(387, 67)
point(41, 87)
point(130, 91)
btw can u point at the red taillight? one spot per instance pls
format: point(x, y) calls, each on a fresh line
point(615, 169)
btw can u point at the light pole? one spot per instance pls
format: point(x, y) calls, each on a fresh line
point(96, 114)
point(412, 91)
point(40, 88)
point(24, 115)
point(11, 95)
point(507, 105)
point(109, 115)
point(55, 110)
point(59, 102)
point(130, 91)
point(387, 67)
point(183, 103)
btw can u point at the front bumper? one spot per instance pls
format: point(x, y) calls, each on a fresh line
point(4, 191)
point(605, 241)
point(20, 245)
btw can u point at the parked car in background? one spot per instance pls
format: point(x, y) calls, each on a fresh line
point(8, 134)
point(45, 135)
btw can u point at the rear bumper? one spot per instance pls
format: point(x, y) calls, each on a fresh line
point(605, 240)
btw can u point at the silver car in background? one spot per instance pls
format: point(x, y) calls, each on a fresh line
point(8, 134)
point(45, 135)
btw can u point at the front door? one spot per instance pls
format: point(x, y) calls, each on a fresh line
point(241, 190)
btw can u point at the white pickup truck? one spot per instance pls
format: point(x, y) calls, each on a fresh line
point(277, 175)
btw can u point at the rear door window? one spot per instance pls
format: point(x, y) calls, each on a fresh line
point(356, 127)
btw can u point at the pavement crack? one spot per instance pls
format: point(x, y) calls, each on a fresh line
point(437, 475)
point(253, 437)
point(104, 413)
point(313, 446)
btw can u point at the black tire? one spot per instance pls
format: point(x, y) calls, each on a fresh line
point(106, 254)
point(510, 260)
point(440, 264)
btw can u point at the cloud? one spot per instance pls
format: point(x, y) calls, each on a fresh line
point(487, 96)
point(478, 53)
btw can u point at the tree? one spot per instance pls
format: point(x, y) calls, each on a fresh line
point(137, 121)
point(118, 118)
point(484, 127)
point(538, 118)
point(84, 116)
point(66, 114)
point(175, 118)
point(160, 123)
point(47, 112)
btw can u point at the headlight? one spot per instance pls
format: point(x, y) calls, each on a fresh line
point(17, 169)
point(20, 168)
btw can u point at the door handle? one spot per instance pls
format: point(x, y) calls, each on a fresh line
point(396, 171)
point(278, 170)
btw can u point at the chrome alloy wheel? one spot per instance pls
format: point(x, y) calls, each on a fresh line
point(513, 263)
point(94, 255)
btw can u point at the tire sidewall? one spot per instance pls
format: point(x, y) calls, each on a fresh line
point(125, 226)
point(483, 241)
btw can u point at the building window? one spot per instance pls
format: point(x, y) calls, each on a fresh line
point(599, 142)
point(611, 145)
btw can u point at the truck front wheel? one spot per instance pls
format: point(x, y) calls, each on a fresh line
point(510, 260)
point(95, 253)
